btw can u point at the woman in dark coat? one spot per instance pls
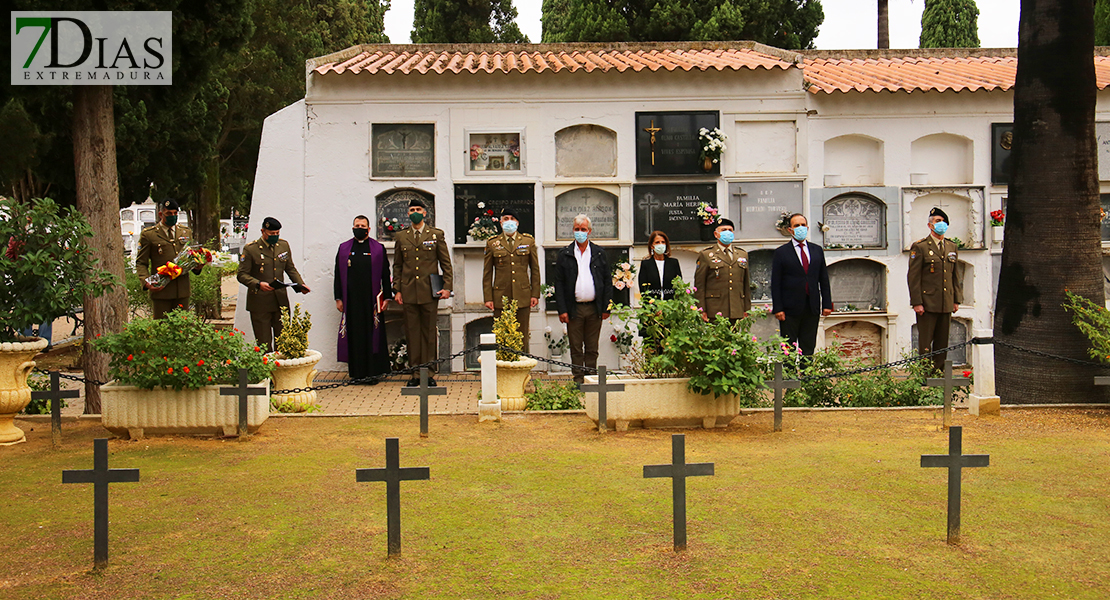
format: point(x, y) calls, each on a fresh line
point(657, 272)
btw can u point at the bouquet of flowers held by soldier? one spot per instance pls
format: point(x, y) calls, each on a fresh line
point(484, 227)
point(624, 275)
point(191, 257)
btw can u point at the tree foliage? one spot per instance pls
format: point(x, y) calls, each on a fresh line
point(1102, 22)
point(466, 22)
point(950, 24)
point(782, 23)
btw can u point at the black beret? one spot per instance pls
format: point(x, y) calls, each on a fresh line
point(508, 212)
point(169, 204)
point(725, 223)
point(271, 224)
point(417, 202)
point(936, 212)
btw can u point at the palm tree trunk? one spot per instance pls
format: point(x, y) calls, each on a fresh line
point(94, 155)
point(884, 25)
point(1052, 221)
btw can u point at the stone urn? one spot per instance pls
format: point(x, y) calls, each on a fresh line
point(15, 365)
point(512, 376)
point(293, 373)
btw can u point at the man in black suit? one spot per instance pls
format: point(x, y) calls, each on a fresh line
point(800, 293)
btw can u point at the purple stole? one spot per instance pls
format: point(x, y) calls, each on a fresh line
point(377, 263)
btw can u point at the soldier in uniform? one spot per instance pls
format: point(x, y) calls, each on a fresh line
point(512, 270)
point(264, 262)
point(936, 289)
point(158, 244)
point(722, 282)
point(420, 252)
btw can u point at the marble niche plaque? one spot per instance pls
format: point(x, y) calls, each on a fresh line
point(494, 196)
point(672, 209)
point(586, 151)
point(855, 221)
point(393, 210)
point(759, 267)
point(667, 143)
point(757, 206)
point(857, 285)
point(402, 150)
point(1002, 141)
point(494, 152)
point(600, 206)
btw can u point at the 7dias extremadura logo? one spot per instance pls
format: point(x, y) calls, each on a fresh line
point(92, 48)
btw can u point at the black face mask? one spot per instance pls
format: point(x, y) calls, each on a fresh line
point(360, 234)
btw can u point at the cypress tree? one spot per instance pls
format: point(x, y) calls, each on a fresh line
point(950, 24)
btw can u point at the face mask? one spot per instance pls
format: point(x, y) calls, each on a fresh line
point(941, 228)
point(800, 232)
point(727, 237)
point(171, 220)
point(581, 236)
point(660, 248)
point(360, 234)
point(272, 239)
point(509, 227)
point(416, 218)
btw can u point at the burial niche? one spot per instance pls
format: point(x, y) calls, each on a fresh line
point(600, 206)
point(854, 160)
point(941, 159)
point(393, 211)
point(855, 221)
point(858, 285)
point(957, 334)
point(586, 151)
point(857, 339)
point(759, 267)
point(472, 332)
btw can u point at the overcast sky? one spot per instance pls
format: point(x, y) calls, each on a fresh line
point(848, 23)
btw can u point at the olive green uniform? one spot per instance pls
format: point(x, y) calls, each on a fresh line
point(158, 245)
point(416, 256)
point(722, 282)
point(935, 281)
point(512, 269)
point(263, 262)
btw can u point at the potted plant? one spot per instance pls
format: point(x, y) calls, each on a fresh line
point(294, 362)
point(167, 373)
point(998, 225)
point(513, 370)
point(46, 269)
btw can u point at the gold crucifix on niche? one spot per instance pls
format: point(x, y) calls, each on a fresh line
point(653, 130)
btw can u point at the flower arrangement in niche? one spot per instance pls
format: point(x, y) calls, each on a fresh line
point(624, 275)
point(783, 224)
point(484, 226)
point(390, 226)
point(998, 218)
point(708, 213)
point(556, 346)
point(547, 291)
point(478, 157)
point(712, 146)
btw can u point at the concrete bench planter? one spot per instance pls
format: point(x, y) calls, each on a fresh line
point(654, 403)
point(135, 412)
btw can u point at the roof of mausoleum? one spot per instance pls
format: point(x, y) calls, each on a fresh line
point(523, 58)
point(825, 71)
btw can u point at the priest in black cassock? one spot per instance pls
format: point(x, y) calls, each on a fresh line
point(362, 289)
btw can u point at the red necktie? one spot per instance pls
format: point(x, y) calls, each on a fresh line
point(805, 264)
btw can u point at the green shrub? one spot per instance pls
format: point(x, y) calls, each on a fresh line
point(555, 396)
point(1094, 321)
point(293, 341)
point(507, 330)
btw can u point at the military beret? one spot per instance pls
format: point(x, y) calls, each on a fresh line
point(271, 224)
point(936, 212)
point(508, 212)
point(417, 202)
point(725, 223)
point(169, 204)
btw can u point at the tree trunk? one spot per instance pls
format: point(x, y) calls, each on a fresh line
point(207, 226)
point(884, 25)
point(1052, 217)
point(94, 154)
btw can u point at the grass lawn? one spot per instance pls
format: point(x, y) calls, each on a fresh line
point(538, 506)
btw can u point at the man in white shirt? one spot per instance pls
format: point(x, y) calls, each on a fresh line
point(583, 290)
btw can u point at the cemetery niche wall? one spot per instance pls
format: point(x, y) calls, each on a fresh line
point(760, 208)
point(392, 211)
point(586, 151)
point(402, 150)
point(854, 220)
point(853, 160)
point(672, 208)
point(521, 197)
point(667, 143)
point(858, 285)
point(964, 205)
point(941, 158)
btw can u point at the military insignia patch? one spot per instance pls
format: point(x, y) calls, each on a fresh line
point(743, 262)
point(283, 255)
point(913, 255)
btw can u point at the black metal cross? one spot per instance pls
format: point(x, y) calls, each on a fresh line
point(100, 476)
point(243, 391)
point(393, 475)
point(780, 385)
point(947, 382)
point(602, 389)
point(55, 395)
point(678, 471)
point(955, 460)
point(424, 391)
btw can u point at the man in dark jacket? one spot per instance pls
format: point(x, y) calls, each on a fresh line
point(583, 289)
point(800, 293)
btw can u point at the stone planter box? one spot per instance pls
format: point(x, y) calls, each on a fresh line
point(652, 403)
point(135, 412)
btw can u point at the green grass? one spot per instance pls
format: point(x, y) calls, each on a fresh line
point(542, 507)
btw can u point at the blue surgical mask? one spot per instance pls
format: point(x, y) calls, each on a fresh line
point(800, 232)
point(581, 236)
point(727, 236)
point(509, 227)
point(941, 228)
point(660, 248)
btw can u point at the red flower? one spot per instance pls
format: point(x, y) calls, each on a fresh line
point(186, 369)
point(967, 373)
point(257, 349)
point(130, 356)
point(613, 338)
point(170, 370)
point(264, 360)
point(209, 378)
point(228, 362)
point(200, 363)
